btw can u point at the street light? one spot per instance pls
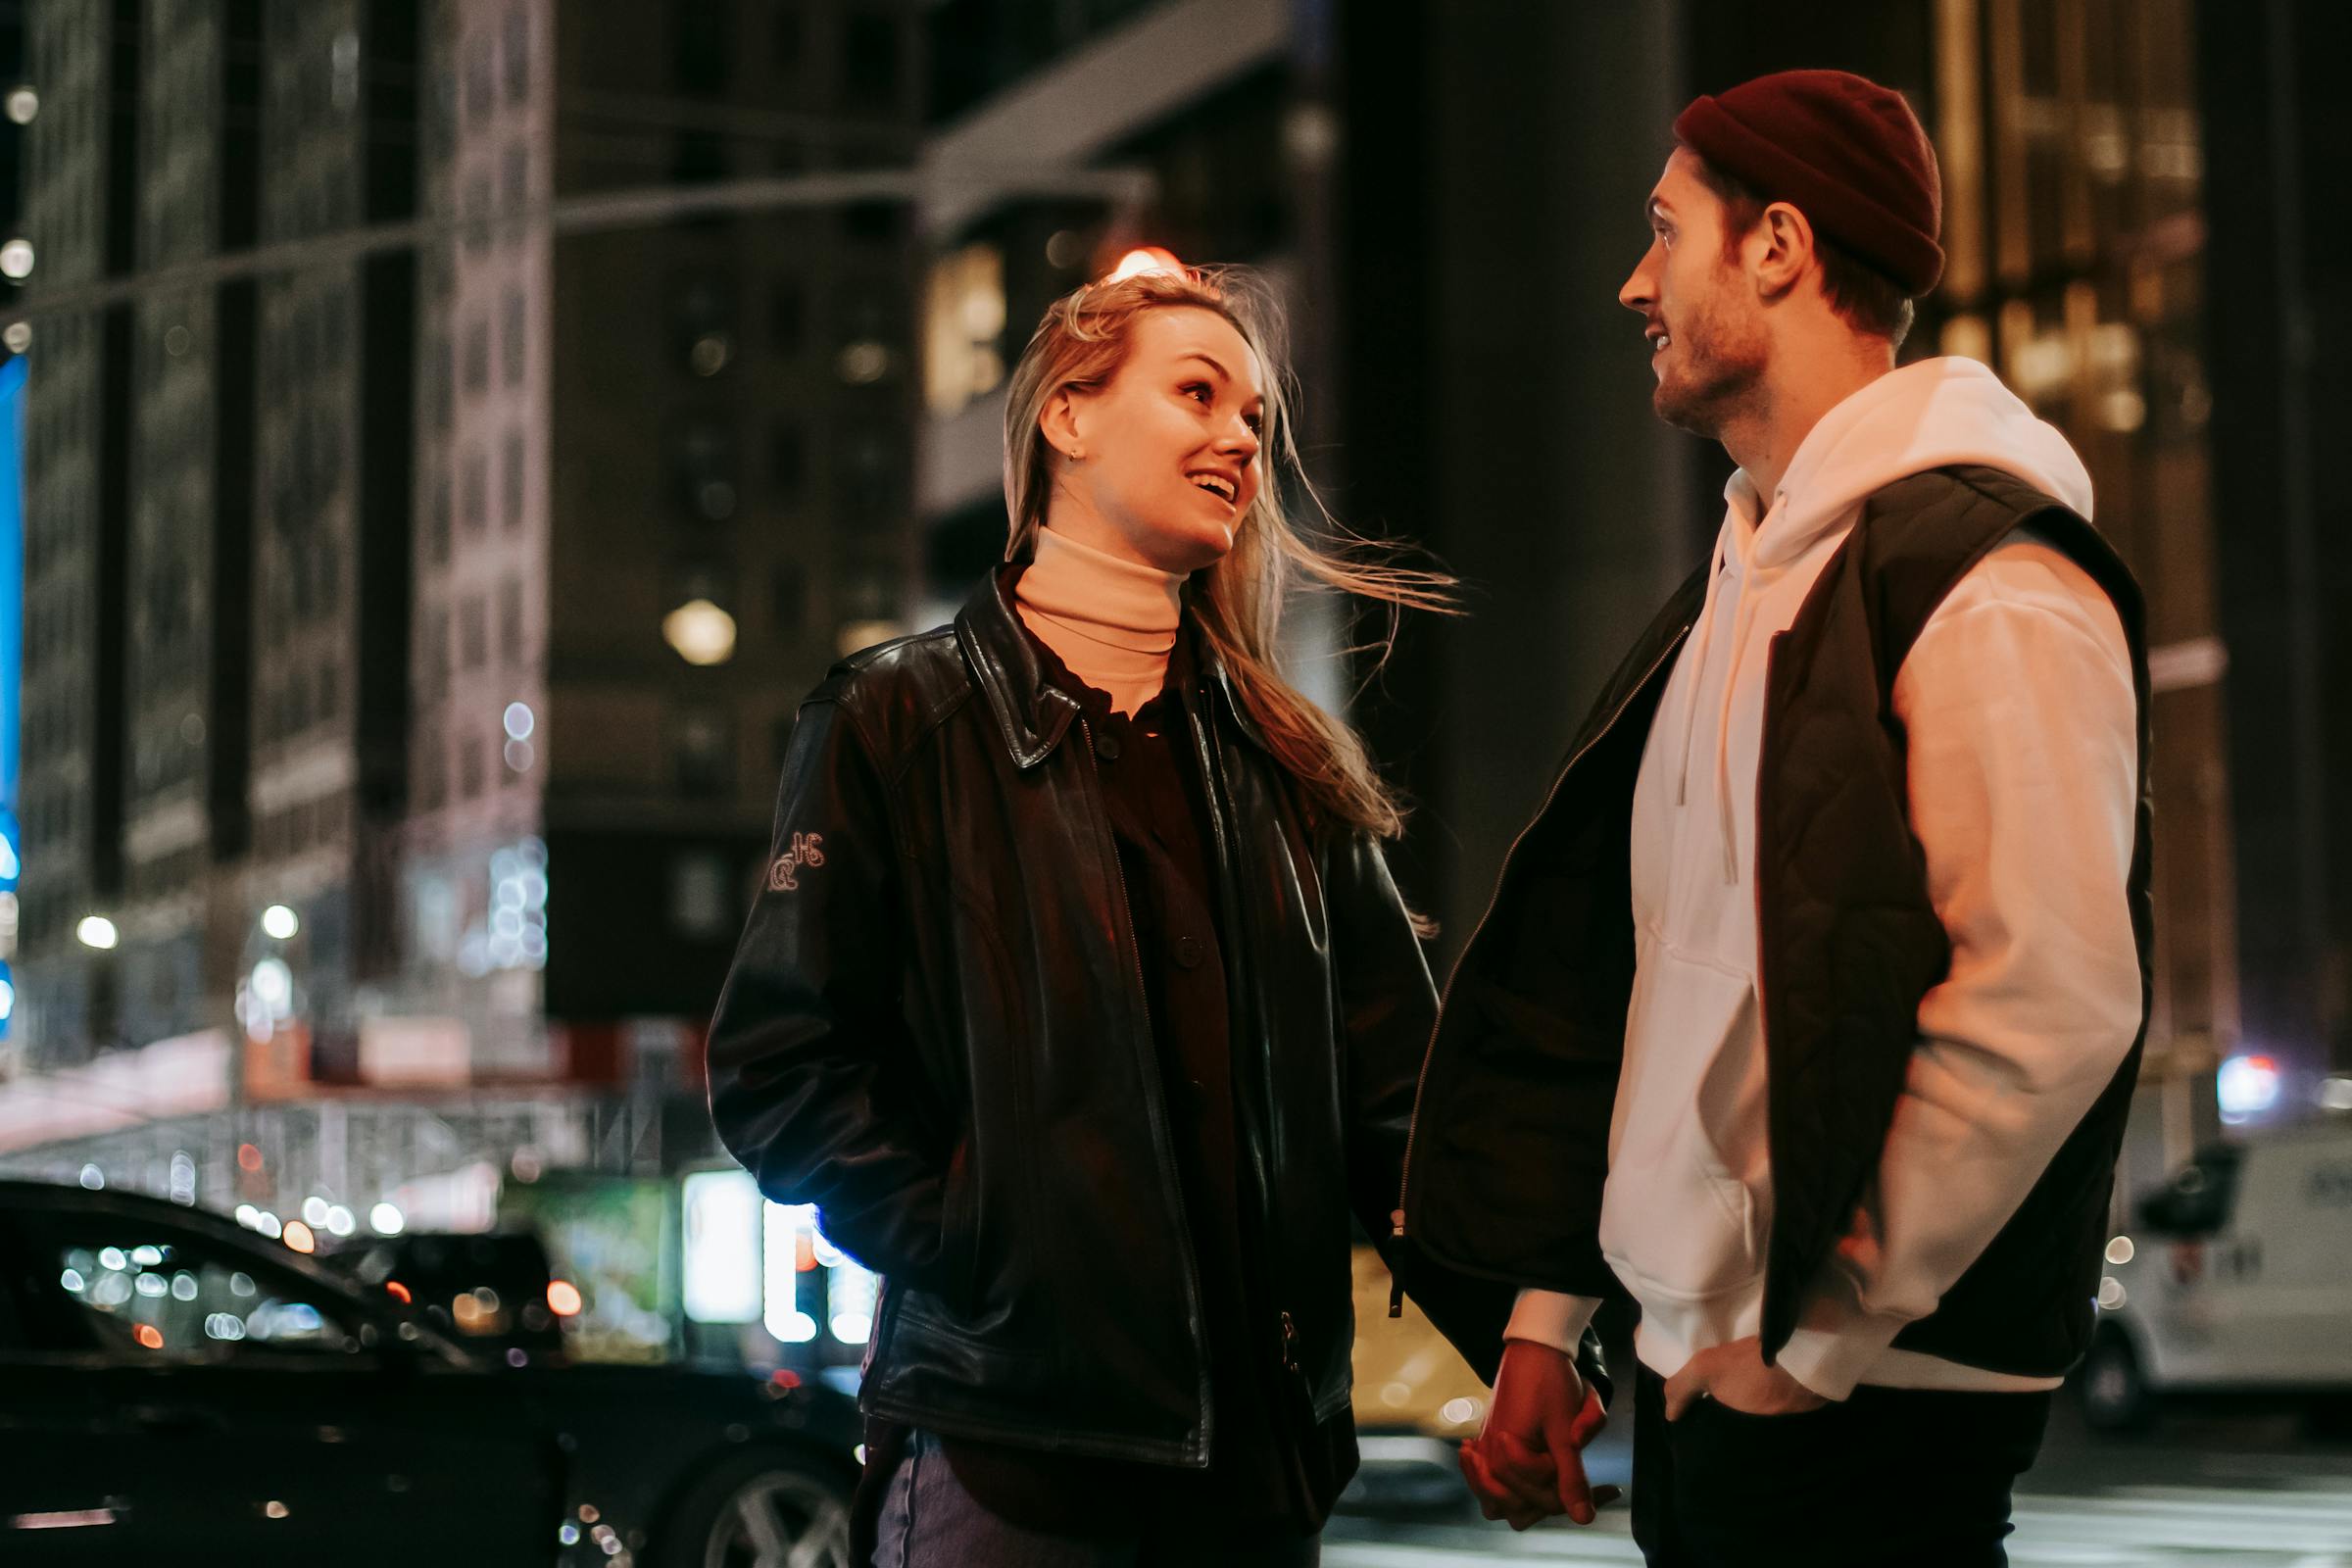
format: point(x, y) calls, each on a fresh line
point(97, 931)
point(1145, 258)
point(281, 922)
point(701, 632)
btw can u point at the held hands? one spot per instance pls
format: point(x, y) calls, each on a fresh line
point(1527, 1463)
point(1734, 1376)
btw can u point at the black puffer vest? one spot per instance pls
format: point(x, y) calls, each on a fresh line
point(1510, 1140)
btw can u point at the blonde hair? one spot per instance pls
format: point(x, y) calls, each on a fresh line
point(1237, 603)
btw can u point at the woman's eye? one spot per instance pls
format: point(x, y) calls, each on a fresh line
point(1200, 391)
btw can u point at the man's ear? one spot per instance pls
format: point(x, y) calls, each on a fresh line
point(1788, 249)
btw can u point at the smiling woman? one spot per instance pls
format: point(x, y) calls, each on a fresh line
point(1141, 420)
point(995, 1034)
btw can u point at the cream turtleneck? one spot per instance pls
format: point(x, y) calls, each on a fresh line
point(1112, 620)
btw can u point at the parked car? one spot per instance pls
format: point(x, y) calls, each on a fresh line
point(490, 1292)
point(180, 1389)
point(2235, 1278)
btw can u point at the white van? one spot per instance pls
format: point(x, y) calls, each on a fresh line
point(2236, 1277)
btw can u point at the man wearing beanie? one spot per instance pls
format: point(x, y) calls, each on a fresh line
point(1808, 1008)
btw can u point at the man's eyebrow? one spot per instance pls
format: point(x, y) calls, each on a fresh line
point(1195, 354)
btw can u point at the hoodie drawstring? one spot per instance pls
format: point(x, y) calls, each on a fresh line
point(1742, 617)
point(1698, 655)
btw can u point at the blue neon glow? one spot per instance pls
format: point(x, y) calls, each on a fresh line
point(12, 638)
point(12, 586)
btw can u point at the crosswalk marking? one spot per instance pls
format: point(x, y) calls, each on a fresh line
point(2306, 1526)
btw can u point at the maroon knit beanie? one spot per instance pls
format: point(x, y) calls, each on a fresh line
point(1843, 150)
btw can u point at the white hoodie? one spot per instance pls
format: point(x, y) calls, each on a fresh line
point(2021, 721)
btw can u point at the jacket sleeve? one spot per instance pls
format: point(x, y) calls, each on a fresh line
point(811, 1067)
point(1388, 1008)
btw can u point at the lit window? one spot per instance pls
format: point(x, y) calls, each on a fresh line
point(511, 347)
point(514, 477)
point(517, 54)
point(963, 324)
point(705, 469)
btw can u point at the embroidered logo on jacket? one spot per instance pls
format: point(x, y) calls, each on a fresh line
point(784, 871)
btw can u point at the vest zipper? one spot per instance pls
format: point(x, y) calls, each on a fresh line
point(1412, 1126)
point(1755, 879)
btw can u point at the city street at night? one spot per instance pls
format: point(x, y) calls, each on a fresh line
point(817, 783)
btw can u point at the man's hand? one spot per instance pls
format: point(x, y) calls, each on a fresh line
point(1526, 1462)
point(1735, 1375)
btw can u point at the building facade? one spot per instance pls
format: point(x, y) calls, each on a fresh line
point(662, 473)
point(77, 216)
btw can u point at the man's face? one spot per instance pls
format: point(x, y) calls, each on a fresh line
point(1708, 347)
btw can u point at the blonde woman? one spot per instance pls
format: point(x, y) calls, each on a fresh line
point(1079, 998)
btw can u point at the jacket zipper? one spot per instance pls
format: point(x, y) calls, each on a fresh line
point(1212, 777)
point(1412, 1127)
point(1165, 1142)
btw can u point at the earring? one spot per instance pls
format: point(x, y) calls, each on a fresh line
point(1077, 454)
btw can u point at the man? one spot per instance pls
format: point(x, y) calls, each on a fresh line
point(1809, 1007)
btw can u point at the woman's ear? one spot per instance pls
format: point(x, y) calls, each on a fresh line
point(1063, 423)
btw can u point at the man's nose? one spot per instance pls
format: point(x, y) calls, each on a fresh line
point(1639, 291)
point(1637, 294)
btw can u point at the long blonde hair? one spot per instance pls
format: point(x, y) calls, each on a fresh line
point(1238, 603)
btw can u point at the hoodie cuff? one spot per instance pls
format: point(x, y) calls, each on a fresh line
point(1836, 1348)
point(1549, 1317)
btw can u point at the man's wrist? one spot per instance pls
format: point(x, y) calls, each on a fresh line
point(1551, 1318)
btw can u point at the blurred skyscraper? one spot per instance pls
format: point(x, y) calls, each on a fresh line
point(416, 630)
point(664, 481)
point(79, 194)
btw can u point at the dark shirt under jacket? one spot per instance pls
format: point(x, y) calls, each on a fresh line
point(1269, 1459)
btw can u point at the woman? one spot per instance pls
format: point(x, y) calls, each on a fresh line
point(1078, 998)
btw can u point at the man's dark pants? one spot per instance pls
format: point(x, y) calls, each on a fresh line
point(1892, 1478)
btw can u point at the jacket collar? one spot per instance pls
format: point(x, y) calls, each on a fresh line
point(1032, 712)
point(1212, 667)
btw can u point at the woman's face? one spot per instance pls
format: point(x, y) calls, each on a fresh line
point(1166, 451)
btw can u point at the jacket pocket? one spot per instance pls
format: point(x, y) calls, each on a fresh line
point(1686, 1207)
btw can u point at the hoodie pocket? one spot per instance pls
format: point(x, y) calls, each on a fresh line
point(1686, 1207)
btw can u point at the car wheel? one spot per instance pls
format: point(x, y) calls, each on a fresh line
point(765, 1509)
point(2115, 1392)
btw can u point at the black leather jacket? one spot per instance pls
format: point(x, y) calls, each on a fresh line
point(934, 1030)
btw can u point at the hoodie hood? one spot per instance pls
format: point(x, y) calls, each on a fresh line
point(1933, 414)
